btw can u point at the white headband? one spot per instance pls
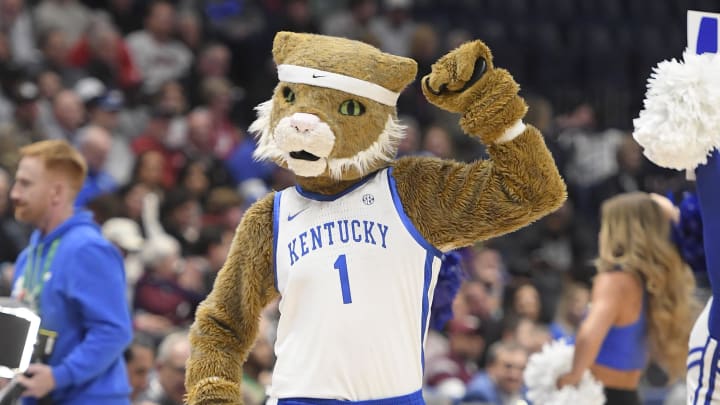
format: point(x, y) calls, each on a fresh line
point(348, 84)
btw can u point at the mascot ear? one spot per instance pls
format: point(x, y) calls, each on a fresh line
point(349, 58)
point(284, 43)
point(403, 70)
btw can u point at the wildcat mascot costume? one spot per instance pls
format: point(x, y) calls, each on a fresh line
point(354, 249)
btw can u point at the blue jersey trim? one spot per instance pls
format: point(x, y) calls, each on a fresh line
point(276, 230)
point(415, 398)
point(425, 305)
point(333, 197)
point(708, 194)
point(700, 377)
point(711, 381)
point(406, 220)
point(694, 364)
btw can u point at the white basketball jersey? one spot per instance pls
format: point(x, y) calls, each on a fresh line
point(356, 280)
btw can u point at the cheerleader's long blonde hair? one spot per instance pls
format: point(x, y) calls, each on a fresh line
point(635, 235)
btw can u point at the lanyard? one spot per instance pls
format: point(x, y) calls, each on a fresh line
point(35, 276)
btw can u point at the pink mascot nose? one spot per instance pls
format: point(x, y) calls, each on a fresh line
point(303, 122)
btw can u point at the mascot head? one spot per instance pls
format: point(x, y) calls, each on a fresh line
point(332, 115)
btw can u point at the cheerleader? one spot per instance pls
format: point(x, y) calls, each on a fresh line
point(641, 305)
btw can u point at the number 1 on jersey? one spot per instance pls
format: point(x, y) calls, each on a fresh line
point(341, 264)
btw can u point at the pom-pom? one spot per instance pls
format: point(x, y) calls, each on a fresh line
point(544, 369)
point(679, 125)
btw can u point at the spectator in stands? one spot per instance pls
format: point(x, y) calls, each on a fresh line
point(224, 207)
point(194, 178)
point(125, 234)
point(395, 27)
point(487, 267)
point(424, 48)
point(629, 177)
point(190, 29)
point(213, 60)
point(297, 17)
point(13, 236)
point(201, 173)
point(140, 363)
point(477, 299)
point(570, 312)
point(466, 345)
point(69, 16)
point(548, 251)
point(353, 22)
point(219, 97)
point(171, 97)
point(148, 171)
point(257, 369)
point(94, 144)
point(165, 296)
point(529, 334)
point(167, 387)
point(214, 244)
point(103, 53)
point(126, 14)
point(156, 53)
point(410, 144)
point(591, 152)
point(155, 139)
point(24, 128)
point(104, 111)
point(502, 382)
point(15, 20)
point(438, 142)
point(54, 48)
point(8, 74)
point(132, 195)
point(526, 302)
point(68, 116)
point(181, 217)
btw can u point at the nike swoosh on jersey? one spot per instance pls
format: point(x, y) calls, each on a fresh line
point(291, 217)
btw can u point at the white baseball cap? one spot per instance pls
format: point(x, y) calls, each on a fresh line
point(124, 232)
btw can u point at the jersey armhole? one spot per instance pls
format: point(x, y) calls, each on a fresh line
point(406, 220)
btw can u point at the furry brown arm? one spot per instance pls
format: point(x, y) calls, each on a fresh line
point(456, 204)
point(226, 323)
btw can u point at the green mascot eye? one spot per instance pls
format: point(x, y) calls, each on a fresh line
point(352, 107)
point(288, 94)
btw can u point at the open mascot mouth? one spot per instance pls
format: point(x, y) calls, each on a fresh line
point(304, 155)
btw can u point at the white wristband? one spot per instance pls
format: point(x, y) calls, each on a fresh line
point(512, 132)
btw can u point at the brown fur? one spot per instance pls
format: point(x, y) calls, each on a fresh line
point(226, 323)
point(455, 204)
point(452, 204)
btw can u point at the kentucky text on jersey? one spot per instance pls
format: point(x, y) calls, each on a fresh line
point(342, 231)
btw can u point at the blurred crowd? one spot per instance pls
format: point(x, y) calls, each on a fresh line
point(158, 96)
